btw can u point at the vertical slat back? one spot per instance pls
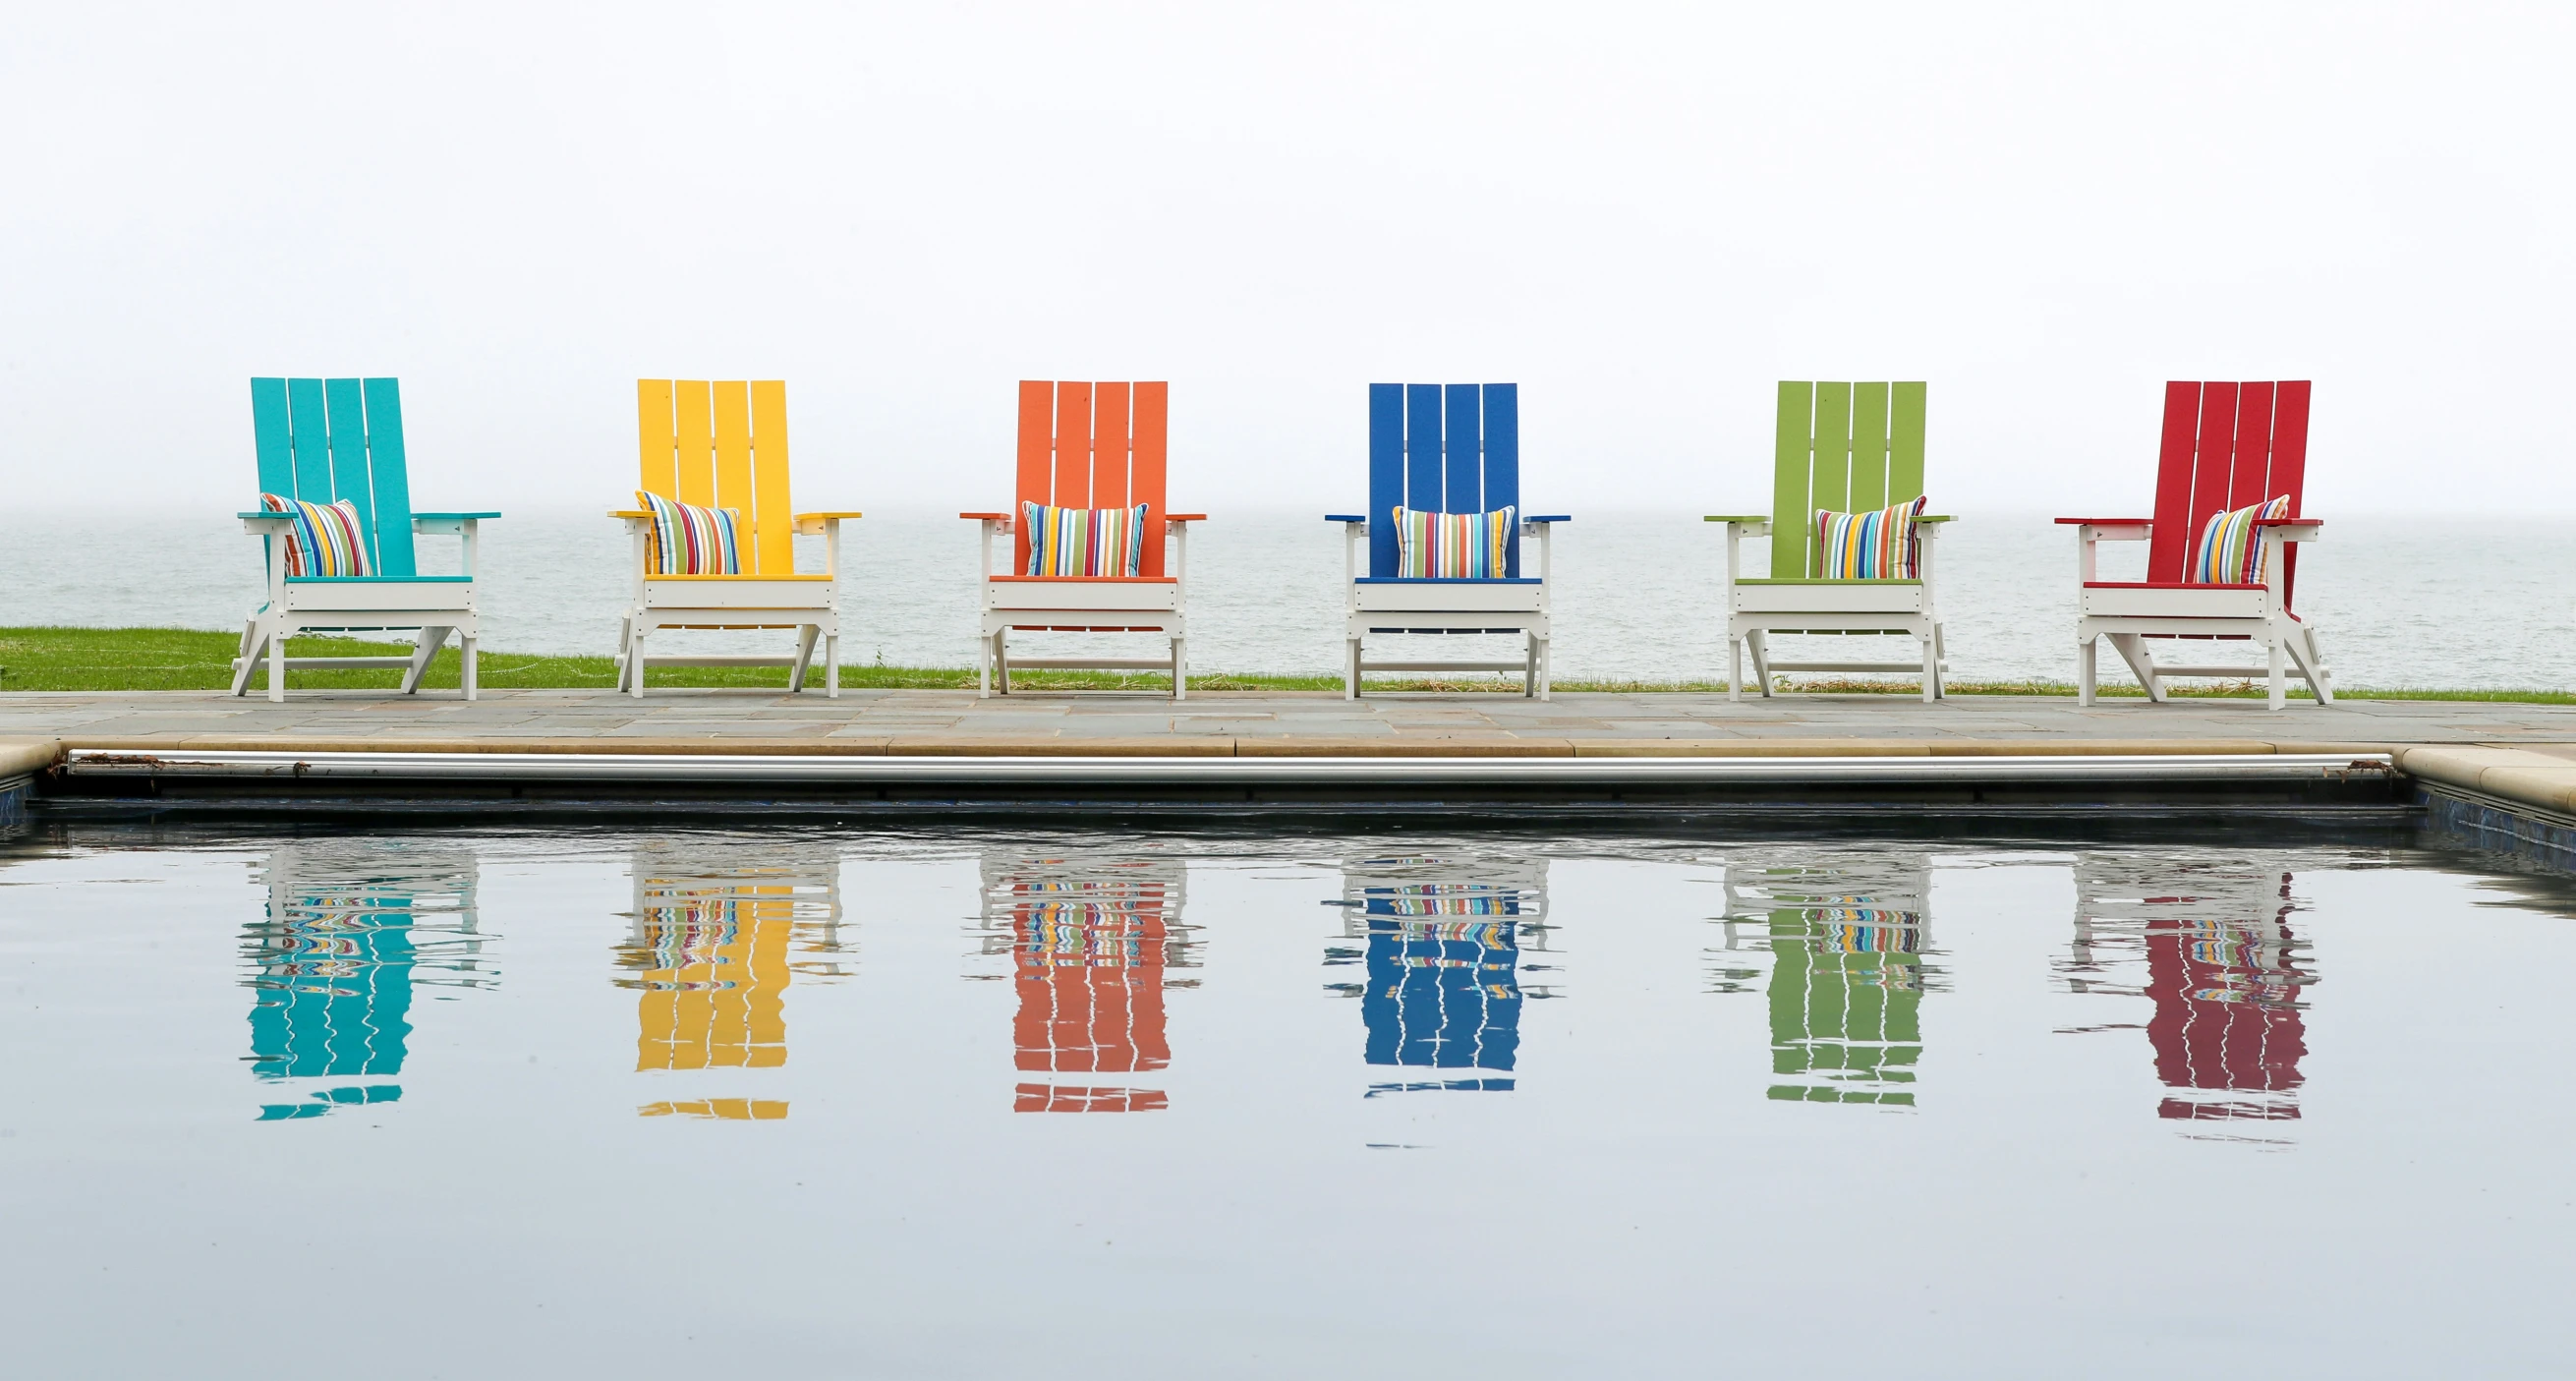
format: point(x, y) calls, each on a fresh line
point(2290, 466)
point(1149, 464)
point(657, 445)
point(722, 443)
point(1462, 481)
point(1436, 448)
point(389, 462)
point(693, 423)
point(1095, 445)
point(1111, 454)
point(1072, 445)
point(271, 434)
point(2250, 463)
point(1905, 415)
point(1386, 476)
point(325, 440)
point(729, 408)
point(1503, 463)
point(775, 530)
point(1034, 479)
point(345, 412)
point(1422, 450)
point(1869, 448)
point(309, 434)
point(2212, 452)
point(2168, 543)
point(1793, 452)
point(1831, 487)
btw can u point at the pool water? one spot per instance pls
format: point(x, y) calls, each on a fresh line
point(811, 1103)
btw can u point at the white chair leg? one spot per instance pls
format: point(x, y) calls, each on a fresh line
point(831, 666)
point(2142, 664)
point(468, 659)
point(1940, 662)
point(254, 638)
point(806, 634)
point(1002, 660)
point(1351, 673)
point(1931, 672)
point(635, 662)
point(1180, 668)
point(625, 647)
point(2320, 676)
point(1734, 667)
point(984, 668)
point(1761, 646)
point(2280, 686)
point(1546, 671)
point(1529, 667)
point(431, 640)
point(2084, 649)
point(277, 663)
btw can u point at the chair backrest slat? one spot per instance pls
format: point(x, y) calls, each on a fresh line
point(2226, 445)
point(1849, 447)
point(1436, 448)
point(325, 440)
point(722, 444)
point(1094, 445)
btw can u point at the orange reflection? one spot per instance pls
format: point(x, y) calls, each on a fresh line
point(1091, 941)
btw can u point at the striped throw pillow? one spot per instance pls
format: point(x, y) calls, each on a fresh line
point(1877, 545)
point(1085, 541)
point(326, 538)
point(689, 539)
point(2230, 552)
point(1471, 546)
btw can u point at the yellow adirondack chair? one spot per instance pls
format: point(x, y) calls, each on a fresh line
point(724, 445)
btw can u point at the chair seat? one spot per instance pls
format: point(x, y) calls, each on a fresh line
point(354, 581)
point(1446, 580)
point(2166, 585)
point(1085, 579)
point(1804, 596)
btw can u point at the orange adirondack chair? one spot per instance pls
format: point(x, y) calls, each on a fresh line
point(2226, 445)
point(724, 445)
point(1088, 445)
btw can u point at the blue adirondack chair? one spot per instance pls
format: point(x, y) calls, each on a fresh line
point(321, 441)
point(1452, 448)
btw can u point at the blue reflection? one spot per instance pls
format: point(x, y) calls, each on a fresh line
point(1442, 950)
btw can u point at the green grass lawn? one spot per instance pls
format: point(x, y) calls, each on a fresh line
point(133, 659)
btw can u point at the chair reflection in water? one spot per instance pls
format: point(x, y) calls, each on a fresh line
point(716, 926)
point(351, 928)
point(1441, 940)
point(1848, 933)
point(1093, 938)
point(2206, 938)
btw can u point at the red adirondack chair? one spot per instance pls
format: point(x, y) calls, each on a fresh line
point(2226, 445)
point(1088, 446)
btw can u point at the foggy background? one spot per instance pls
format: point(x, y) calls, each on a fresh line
point(1643, 215)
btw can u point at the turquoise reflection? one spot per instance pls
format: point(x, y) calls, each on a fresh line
point(351, 929)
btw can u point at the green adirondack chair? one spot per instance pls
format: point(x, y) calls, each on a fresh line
point(321, 441)
point(1850, 448)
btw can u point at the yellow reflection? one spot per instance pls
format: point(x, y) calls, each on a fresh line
point(726, 1109)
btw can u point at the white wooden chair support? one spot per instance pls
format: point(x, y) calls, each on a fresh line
point(1082, 604)
point(434, 605)
point(2127, 615)
point(1457, 608)
point(807, 604)
point(1758, 608)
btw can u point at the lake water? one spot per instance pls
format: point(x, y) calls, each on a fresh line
point(796, 1104)
point(2401, 601)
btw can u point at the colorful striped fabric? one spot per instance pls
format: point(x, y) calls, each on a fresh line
point(1869, 546)
point(1085, 541)
point(2229, 551)
point(687, 539)
point(326, 538)
point(1454, 546)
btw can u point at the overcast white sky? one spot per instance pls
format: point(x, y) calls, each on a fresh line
point(1643, 215)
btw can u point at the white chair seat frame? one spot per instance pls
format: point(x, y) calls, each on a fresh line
point(1451, 607)
point(436, 606)
point(2129, 614)
point(1080, 604)
point(1756, 609)
point(808, 604)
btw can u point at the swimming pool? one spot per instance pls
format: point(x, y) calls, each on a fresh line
point(814, 1102)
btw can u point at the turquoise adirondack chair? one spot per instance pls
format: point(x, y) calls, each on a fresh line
point(1849, 448)
point(321, 441)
